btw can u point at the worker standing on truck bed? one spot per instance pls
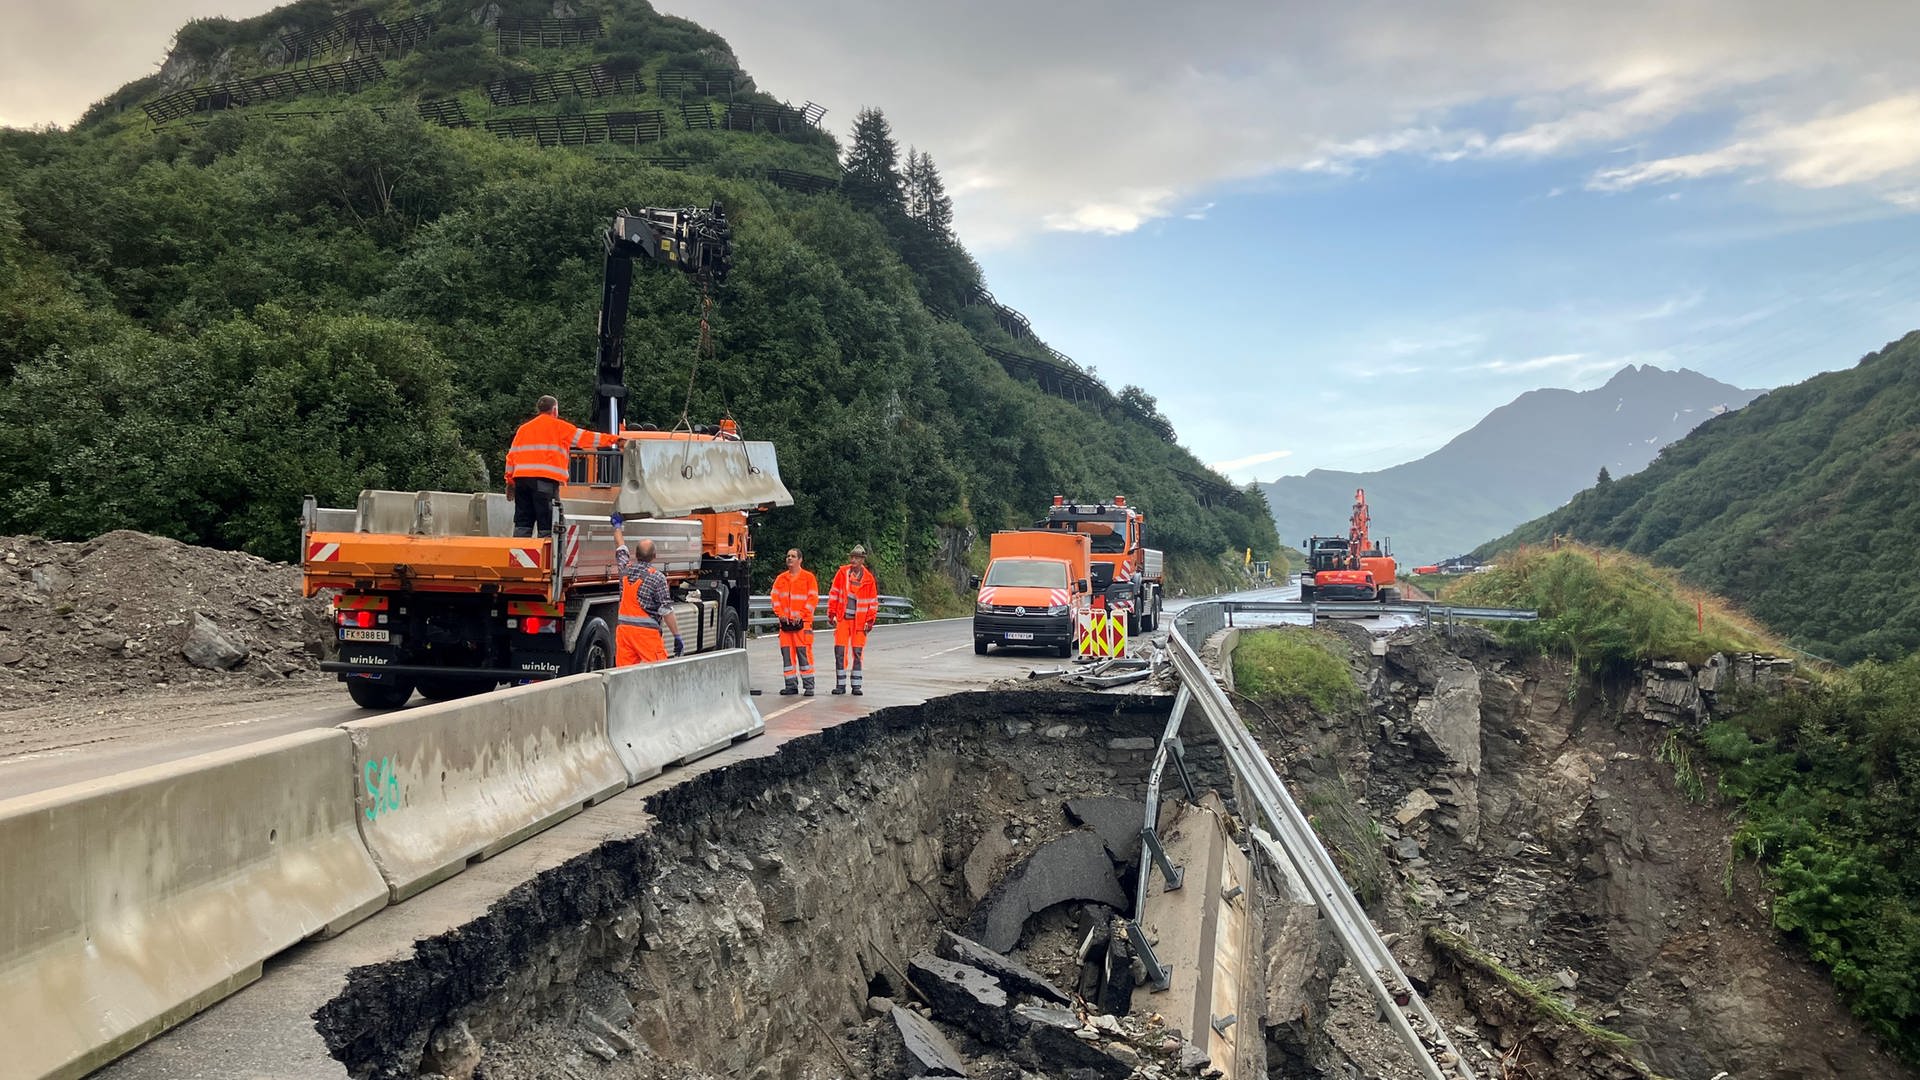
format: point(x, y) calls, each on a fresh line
point(796, 598)
point(853, 605)
point(537, 465)
point(645, 605)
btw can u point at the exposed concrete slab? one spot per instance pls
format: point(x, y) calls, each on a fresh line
point(1070, 867)
point(1203, 931)
point(1116, 820)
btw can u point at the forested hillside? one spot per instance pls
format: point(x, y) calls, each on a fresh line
point(225, 289)
point(1803, 507)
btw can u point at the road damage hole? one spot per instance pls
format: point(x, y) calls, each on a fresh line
point(781, 912)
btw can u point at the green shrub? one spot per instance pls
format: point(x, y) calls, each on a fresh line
point(1829, 778)
point(1294, 663)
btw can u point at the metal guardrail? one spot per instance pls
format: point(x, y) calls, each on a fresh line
point(1425, 609)
point(893, 609)
point(1405, 1011)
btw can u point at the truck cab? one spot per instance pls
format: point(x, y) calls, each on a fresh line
point(1128, 576)
point(1037, 587)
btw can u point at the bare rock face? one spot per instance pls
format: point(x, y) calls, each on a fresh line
point(206, 647)
point(1450, 718)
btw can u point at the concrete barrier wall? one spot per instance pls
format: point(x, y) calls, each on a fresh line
point(665, 714)
point(127, 904)
point(444, 784)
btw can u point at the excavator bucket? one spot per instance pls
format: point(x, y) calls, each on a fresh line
point(677, 477)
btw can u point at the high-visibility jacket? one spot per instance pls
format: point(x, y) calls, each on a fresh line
point(796, 597)
point(540, 447)
point(851, 602)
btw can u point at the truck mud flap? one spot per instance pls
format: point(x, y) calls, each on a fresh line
point(670, 478)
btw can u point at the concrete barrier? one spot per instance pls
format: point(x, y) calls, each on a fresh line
point(128, 904)
point(442, 785)
point(675, 712)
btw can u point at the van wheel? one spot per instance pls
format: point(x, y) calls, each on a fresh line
point(594, 650)
point(1063, 651)
point(979, 646)
point(380, 692)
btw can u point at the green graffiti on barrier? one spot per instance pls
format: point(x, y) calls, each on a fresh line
point(383, 788)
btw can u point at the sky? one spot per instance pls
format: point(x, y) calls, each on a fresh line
point(1336, 235)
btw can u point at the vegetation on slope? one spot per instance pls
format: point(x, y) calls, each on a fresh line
point(1829, 779)
point(1606, 608)
point(1294, 664)
point(199, 326)
point(1799, 507)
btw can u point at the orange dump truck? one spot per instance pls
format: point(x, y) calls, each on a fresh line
point(1037, 586)
point(436, 594)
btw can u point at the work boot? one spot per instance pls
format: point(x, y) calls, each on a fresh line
point(857, 691)
point(789, 691)
point(839, 689)
point(809, 692)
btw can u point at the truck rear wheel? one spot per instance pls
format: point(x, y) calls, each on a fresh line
point(379, 692)
point(594, 650)
point(730, 629)
point(1306, 592)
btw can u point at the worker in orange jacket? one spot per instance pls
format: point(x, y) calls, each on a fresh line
point(854, 605)
point(537, 465)
point(645, 604)
point(796, 597)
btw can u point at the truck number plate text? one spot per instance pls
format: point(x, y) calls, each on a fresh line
point(356, 634)
point(1017, 636)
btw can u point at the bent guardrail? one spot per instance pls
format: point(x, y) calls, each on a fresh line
point(1406, 1012)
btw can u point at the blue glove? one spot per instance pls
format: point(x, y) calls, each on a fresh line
point(617, 520)
point(678, 645)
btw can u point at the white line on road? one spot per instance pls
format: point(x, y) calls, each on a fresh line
point(943, 652)
point(801, 704)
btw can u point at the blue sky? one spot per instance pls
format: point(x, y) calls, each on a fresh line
point(1336, 235)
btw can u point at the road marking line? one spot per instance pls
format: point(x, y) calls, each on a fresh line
point(782, 712)
point(943, 652)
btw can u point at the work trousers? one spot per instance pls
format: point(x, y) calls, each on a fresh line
point(639, 645)
point(796, 657)
point(533, 506)
point(849, 643)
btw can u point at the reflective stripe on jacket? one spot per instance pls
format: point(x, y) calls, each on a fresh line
point(540, 447)
point(850, 602)
point(643, 591)
point(795, 596)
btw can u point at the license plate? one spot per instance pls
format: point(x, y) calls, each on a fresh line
point(1019, 637)
point(363, 635)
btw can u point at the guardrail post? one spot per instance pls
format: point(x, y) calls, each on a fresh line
point(1177, 753)
point(1159, 976)
point(1175, 875)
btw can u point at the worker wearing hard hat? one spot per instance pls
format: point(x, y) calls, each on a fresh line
point(646, 604)
point(795, 600)
point(853, 605)
point(537, 465)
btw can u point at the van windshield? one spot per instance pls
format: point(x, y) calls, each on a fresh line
point(1027, 574)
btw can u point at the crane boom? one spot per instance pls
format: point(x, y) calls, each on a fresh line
point(695, 241)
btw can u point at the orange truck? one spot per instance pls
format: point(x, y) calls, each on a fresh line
point(1037, 587)
point(1128, 575)
point(434, 593)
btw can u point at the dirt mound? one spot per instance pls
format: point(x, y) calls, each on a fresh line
point(127, 611)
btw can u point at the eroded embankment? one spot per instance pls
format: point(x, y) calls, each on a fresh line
point(746, 931)
point(1519, 821)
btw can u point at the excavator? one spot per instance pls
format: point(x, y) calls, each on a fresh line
point(434, 593)
point(1350, 567)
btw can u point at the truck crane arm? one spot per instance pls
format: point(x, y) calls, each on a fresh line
point(694, 241)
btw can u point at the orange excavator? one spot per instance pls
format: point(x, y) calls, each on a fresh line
point(1350, 567)
point(434, 593)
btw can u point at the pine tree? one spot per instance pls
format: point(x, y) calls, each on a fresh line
point(872, 177)
point(936, 206)
point(916, 184)
point(1604, 478)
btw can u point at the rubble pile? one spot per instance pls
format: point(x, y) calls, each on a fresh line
point(126, 612)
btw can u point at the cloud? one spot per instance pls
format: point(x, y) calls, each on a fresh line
point(1248, 462)
point(1197, 213)
point(1538, 363)
point(1875, 145)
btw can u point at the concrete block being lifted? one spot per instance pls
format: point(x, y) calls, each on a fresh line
point(676, 477)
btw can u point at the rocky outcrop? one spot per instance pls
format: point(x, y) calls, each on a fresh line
point(1675, 692)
